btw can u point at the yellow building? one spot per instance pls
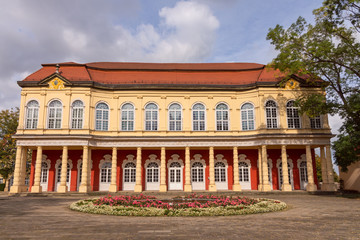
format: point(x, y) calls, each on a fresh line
point(153, 126)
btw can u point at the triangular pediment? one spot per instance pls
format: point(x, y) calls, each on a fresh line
point(55, 81)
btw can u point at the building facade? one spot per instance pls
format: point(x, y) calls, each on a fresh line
point(162, 127)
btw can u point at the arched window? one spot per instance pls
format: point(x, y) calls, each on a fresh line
point(247, 117)
point(315, 122)
point(55, 114)
point(303, 172)
point(220, 172)
point(127, 117)
point(102, 117)
point(77, 114)
point(32, 114)
point(292, 115)
point(198, 117)
point(130, 172)
point(44, 172)
point(222, 117)
point(271, 114)
point(152, 172)
point(243, 172)
point(175, 117)
point(105, 173)
point(197, 172)
point(151, 117)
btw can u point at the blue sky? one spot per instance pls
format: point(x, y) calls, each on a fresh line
point(43, 31)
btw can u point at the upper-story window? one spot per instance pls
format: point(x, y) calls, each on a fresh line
point(102, 117)
point(315, 122)
point(247, 117)
point(222, 117)
point(198, 117)
point(77, 114)
point(271, 114)
point(175, 117)
point(127, 117)
point(32, 114)
point(151, 117)
point(55, 114)
point(293, 117)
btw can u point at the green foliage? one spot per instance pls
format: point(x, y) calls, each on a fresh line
point(327, 50)
point(319, 172)
point(8, 125)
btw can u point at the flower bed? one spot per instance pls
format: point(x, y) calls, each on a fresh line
point(190, 205)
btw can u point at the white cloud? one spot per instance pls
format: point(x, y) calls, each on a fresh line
point(91, 30)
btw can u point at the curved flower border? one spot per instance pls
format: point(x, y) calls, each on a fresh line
point(200, 205)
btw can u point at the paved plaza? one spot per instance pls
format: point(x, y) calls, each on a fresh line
point(308, 217)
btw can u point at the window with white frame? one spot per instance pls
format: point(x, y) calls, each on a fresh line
point(247, 117)
point(44, 172)
point(197, 172)
point(175, 117)
point(315, 122)
point(32, 114)
point(102, 117)
point(77, 114)
point(198, 115)
point(292, 115)
point(152, 172)
point(105, 173)
point(303, 172)
point(244, 172)
point(127, 117)
point(220, 172)
point(151, 117)
point(222, 117)
point(130, 172)
point(271, 114)
point(55, 114)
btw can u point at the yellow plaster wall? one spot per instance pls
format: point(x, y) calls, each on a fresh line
point(115, 99)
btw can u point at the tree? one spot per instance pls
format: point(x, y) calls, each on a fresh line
point(327, 53)
point(8, 125)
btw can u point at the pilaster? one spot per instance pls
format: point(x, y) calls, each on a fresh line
point(187, 187)
point(113, 187)
point(311, 184)
point(212, 186)
point(163, 187)
point(236, 185)
point(286, 187)
point(36, 188)
point(138, 186)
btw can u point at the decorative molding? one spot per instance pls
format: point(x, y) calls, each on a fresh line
point(197, 158)
point(175, 158)
point(152, 158)
point(220, 158)
point(243, 158)
point(301, 159)
point(59, 161)
point(106, 158)
point(46, 160)
point(129, 158)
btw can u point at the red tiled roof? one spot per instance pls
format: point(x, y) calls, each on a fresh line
point(161, 73)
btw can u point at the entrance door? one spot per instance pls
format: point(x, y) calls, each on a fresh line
point(175, 176)
point(197, 176)
point(129, 174)
point(152, 176)
point(105, 176)
point(221, 176)
point(58, 177)
point(244, 175)
point(44, 178)
point(303, 175)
